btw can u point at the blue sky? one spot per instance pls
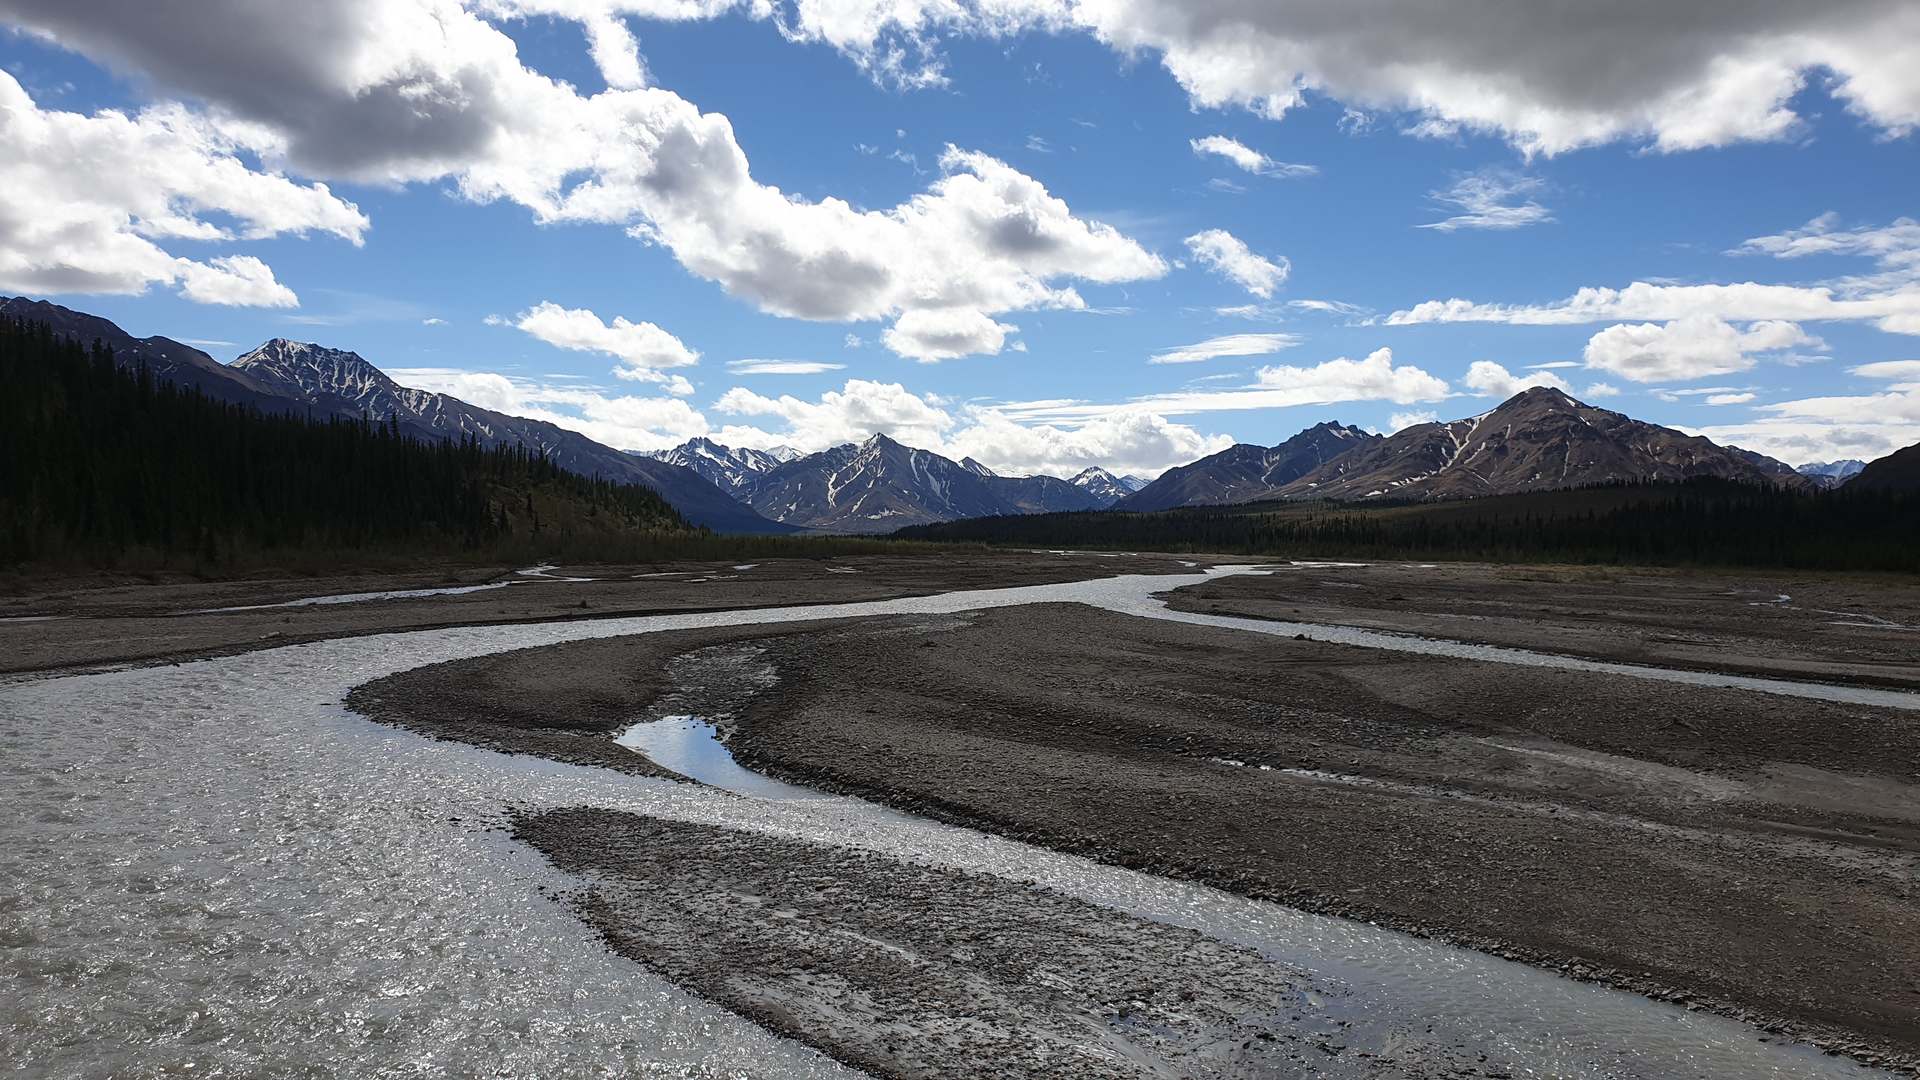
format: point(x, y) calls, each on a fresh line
point(1033, 224)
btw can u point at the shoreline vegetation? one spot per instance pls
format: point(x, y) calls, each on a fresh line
point(1698, 523)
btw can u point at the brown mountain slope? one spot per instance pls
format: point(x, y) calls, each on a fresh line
point(1898, 471)
point(1537, 440)
point(1247, 473)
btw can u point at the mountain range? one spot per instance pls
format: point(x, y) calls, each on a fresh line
point(342, 383)
point(1105, 486)
point(1539, 439)
point(1831, 473)
point(284, 376)
point(1247, 473)
point(880, 485)
point(728, 468)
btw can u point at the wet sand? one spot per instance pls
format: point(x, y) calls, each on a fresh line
point(1735, 851)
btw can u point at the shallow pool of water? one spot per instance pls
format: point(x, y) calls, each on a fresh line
point(691, 747)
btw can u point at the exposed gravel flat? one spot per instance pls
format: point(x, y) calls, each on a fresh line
point(908, 971)
point(1754, 854)
point(1851, 628)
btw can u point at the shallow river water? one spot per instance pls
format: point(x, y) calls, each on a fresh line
point(212, 869)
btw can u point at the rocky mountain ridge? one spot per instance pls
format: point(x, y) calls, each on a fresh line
point(1537, 440)
point(1245, 472)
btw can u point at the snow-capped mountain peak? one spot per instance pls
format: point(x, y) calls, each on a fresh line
point(323, 376)
point(729, 468)
point(339, 382)
point(1836, 472)
point(876, 485)
point(1105, 487)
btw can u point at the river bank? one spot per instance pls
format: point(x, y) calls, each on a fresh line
point(1736, 851)
point(66, 626)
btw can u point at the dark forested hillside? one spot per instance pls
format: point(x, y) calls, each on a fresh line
point(100, 465)
point(1699, 522)
point(1897, 472)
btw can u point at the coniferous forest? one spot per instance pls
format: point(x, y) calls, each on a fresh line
point(1697, 523)
point(102, 465)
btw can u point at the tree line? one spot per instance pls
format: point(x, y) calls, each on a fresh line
point(1703, 522)
point(101, 463)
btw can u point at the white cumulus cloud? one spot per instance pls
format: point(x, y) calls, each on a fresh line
point(642, 348)
point(1687, 348)
point(233, 280)
point(860, 408)
point(622, 421)
point(401, 91)
point(1546, 77)
point(91, 199)
point(1488, 379)
point(1131, 441)
point(1864, 426)
point(1906, 370)
point(931, 335)
point(1127, 440)
point(1374, 378)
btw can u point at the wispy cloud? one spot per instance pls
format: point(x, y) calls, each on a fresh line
point(1227, 345)
point(1227, 255)
point(1490, 199)
point(1246, 157)
point(780, 367)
